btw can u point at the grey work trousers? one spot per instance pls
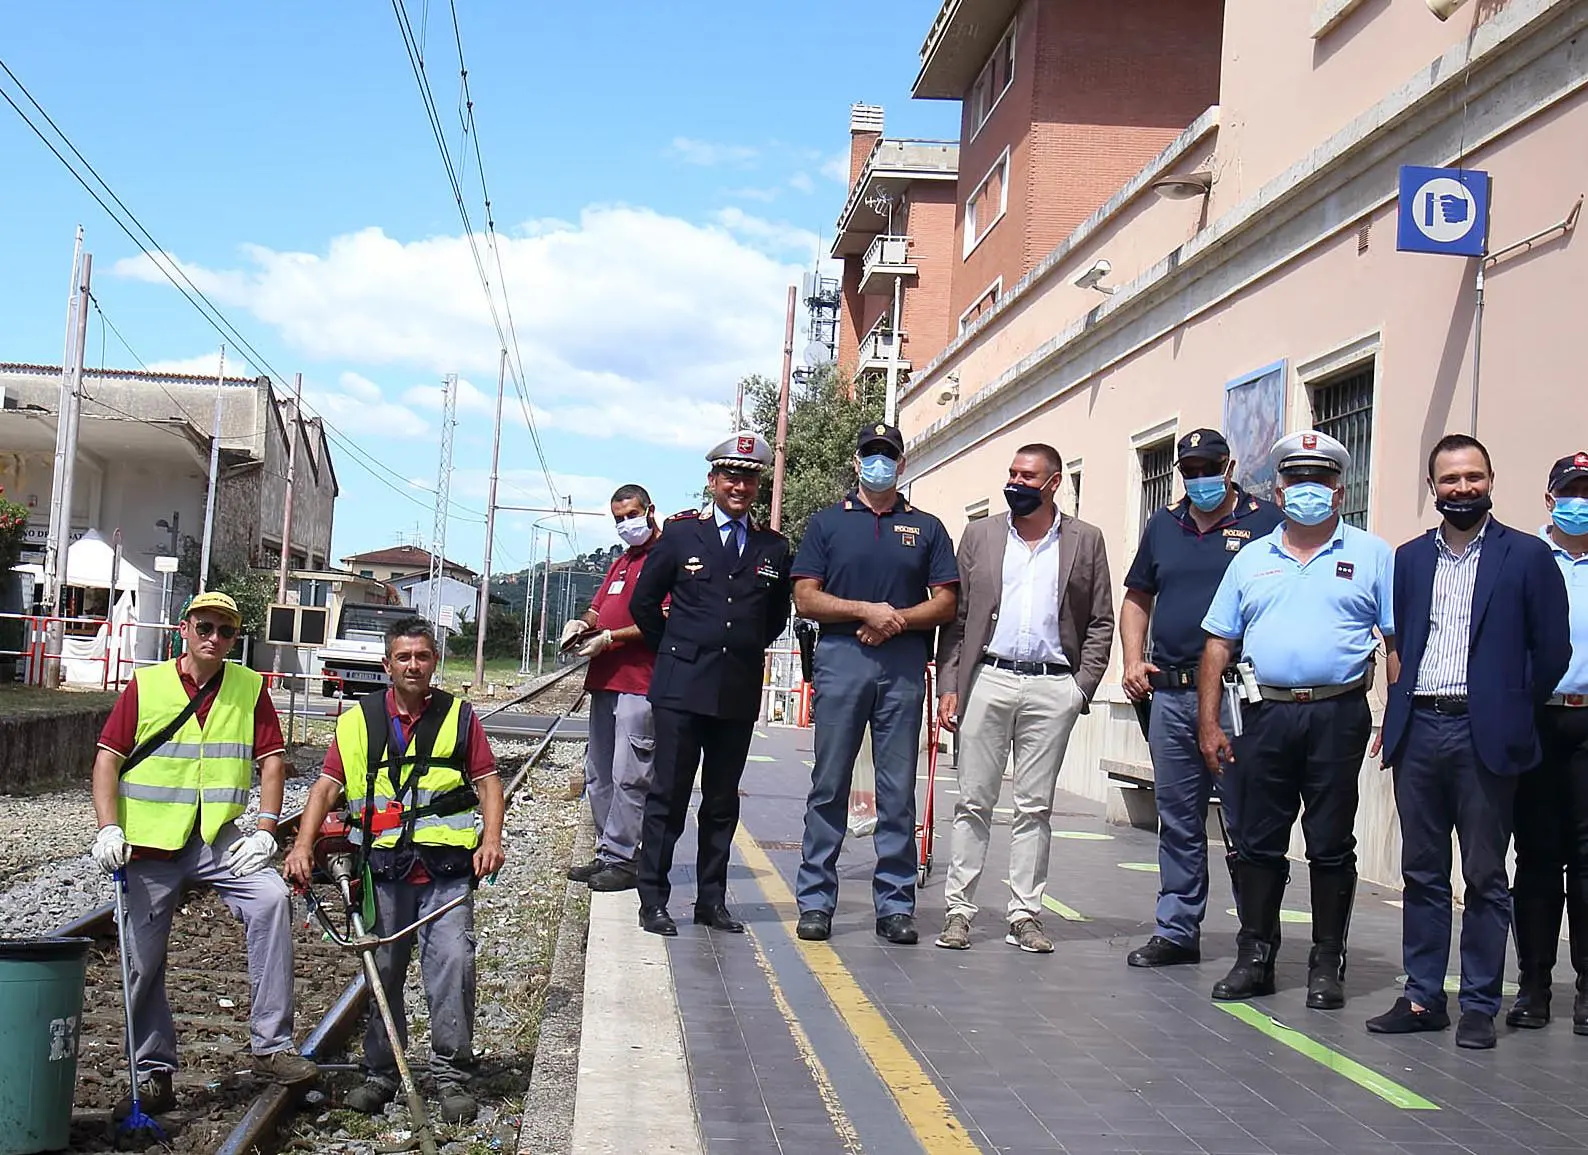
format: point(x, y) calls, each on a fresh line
point(261, 901)
point(618, 765)
point(446, 967)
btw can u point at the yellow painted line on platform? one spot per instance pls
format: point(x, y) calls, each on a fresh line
point(923, 1106)
point(842, 1125)
point(1365, 1077)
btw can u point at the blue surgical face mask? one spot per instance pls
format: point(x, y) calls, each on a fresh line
point(1570, 515)
point(1206, 493)
point(878, 472)
point(1308, 502)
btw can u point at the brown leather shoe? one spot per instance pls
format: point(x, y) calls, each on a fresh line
point(155, 1096)
point(286, 1067)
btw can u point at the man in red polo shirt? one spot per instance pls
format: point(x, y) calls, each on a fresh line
point(618, 758)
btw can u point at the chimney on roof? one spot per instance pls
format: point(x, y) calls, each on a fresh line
point(865, 129)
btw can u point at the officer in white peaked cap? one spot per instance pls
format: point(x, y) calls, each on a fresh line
point(745, 450)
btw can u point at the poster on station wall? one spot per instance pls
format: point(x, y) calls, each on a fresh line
point(1254, 418)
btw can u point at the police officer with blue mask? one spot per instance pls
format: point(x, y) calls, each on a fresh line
point(1185, 549)
point(878, 575)
point(1303, 606)
point(1552, 800)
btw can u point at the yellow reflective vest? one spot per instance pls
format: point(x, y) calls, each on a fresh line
point(427, 778)
point(200, 772)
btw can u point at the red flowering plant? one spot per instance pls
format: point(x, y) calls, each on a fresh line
point(13, 523)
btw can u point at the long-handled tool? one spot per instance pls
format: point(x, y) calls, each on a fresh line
point(335, 854)
point(136, 1120)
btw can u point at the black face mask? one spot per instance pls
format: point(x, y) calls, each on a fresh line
point(1023, 499)
point(1464, 514)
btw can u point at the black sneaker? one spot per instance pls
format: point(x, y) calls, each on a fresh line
point(1162, 952)
point(583, 871)
point(614, 876)
point(1475, 1031)
point(1402, 1020)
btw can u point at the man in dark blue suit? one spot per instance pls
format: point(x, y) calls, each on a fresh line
point(728, 581)
point(1484, 638)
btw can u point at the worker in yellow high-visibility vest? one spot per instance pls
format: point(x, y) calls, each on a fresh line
point(175, 764)
point(425, 805)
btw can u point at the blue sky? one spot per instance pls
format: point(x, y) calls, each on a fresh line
point(659, 174)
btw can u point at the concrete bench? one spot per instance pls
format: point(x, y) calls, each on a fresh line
point(1135, 806)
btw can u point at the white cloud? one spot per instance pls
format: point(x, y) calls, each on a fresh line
point(710, 155)
point(765, 195)
point(203, 365)
point(836, 168)
point(802, 182)
point(470, 398)
point(632, 324)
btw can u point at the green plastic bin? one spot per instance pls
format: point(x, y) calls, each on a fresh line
point(41, 1012)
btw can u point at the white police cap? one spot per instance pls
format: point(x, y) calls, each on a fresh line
point(1309, 449)
point(744, 450)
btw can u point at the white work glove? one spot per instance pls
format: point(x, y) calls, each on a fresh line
point(570, 631)
point(111, 850)
point(250, 853)
point(596, 644)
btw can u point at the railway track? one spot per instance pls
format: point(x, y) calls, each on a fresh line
point(221, 1105)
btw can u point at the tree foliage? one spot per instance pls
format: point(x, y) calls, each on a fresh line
point(823, 421)
point(504, 636)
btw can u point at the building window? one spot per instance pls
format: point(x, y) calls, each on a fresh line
point(367, 573)
point(977, 510)
point(984, 304)
point(1157, 478)
point(1343, 408)
point(1074, 478)
point(987, 204)
point(994, 81)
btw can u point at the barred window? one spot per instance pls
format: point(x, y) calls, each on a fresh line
point(1343, 408)
point(1157, 478)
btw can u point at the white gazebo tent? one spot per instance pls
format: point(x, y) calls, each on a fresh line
point(136, 598)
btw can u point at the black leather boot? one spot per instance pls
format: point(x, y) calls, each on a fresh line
point(1535, 921)
point(1577, 932)
point(1333, 892)
point(1260, 891)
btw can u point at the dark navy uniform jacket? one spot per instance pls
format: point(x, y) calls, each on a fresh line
point(711, 645)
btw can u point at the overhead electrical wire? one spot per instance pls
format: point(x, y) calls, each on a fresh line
point(156, 253)
point(508, 335)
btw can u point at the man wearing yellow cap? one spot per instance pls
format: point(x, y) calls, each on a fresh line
point(175, 764)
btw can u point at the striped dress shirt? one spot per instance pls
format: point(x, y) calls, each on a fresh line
point(1443, 670)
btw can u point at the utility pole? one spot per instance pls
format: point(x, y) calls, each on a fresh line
point(215, 475)
point(545, 589)
point(890, 406)
point(482, 615)
point(61, 518)
point(286, 513)
point(438, 532)
point(55, 559)
point(780, 450)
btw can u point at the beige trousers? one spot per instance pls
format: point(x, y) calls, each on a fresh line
point(1033, 716)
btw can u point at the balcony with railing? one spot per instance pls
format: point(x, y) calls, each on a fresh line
point(887, 259)
point(879, 347)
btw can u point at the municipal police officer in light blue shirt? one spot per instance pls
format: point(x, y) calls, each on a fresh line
point(1303, 604)
point(1552, 800)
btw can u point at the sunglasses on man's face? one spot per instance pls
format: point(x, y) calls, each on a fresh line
point(205, 629)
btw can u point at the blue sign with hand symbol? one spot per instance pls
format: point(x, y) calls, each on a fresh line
point(1443, 210)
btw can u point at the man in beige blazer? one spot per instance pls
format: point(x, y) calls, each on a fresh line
point(1017, 666)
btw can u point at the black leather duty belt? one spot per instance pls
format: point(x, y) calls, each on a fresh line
point(1447, 704)
point(1174, 678)
point(1026, 669)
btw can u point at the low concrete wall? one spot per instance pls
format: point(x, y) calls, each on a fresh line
point(49, 751)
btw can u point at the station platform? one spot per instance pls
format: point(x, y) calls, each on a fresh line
point(761, 1043)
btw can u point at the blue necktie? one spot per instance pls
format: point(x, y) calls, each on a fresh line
point(730, 543)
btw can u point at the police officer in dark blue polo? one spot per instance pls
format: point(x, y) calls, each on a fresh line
point(1302, 604)
point(1185, 549)
point(729, 584)
point(879, 577)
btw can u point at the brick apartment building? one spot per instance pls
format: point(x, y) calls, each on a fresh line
point(1175, 213)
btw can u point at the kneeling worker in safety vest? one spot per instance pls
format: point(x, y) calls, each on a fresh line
point(420, 777)
point(175, 763)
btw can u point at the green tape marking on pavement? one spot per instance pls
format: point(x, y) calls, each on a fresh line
point(1144, 867)
point(760, 758)
point(809, 763)
point(760, 733)
point(1453, 985)
point(1068, 914)
point(1083, 835)
point(1364, 1077)
point(1285, 915)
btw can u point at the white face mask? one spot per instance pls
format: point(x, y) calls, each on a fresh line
point(635, 530)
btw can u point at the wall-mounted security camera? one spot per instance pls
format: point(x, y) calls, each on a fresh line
point(1443, 8)
point(1090, 278)
point(949, 393)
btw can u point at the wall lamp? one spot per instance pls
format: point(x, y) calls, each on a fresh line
point(949, 393)
point(1185, 186)
point(1443, 8)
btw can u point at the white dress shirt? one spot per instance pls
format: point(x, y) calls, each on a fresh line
point(1027, 629)
point(1443, 670)
point(724, 520)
